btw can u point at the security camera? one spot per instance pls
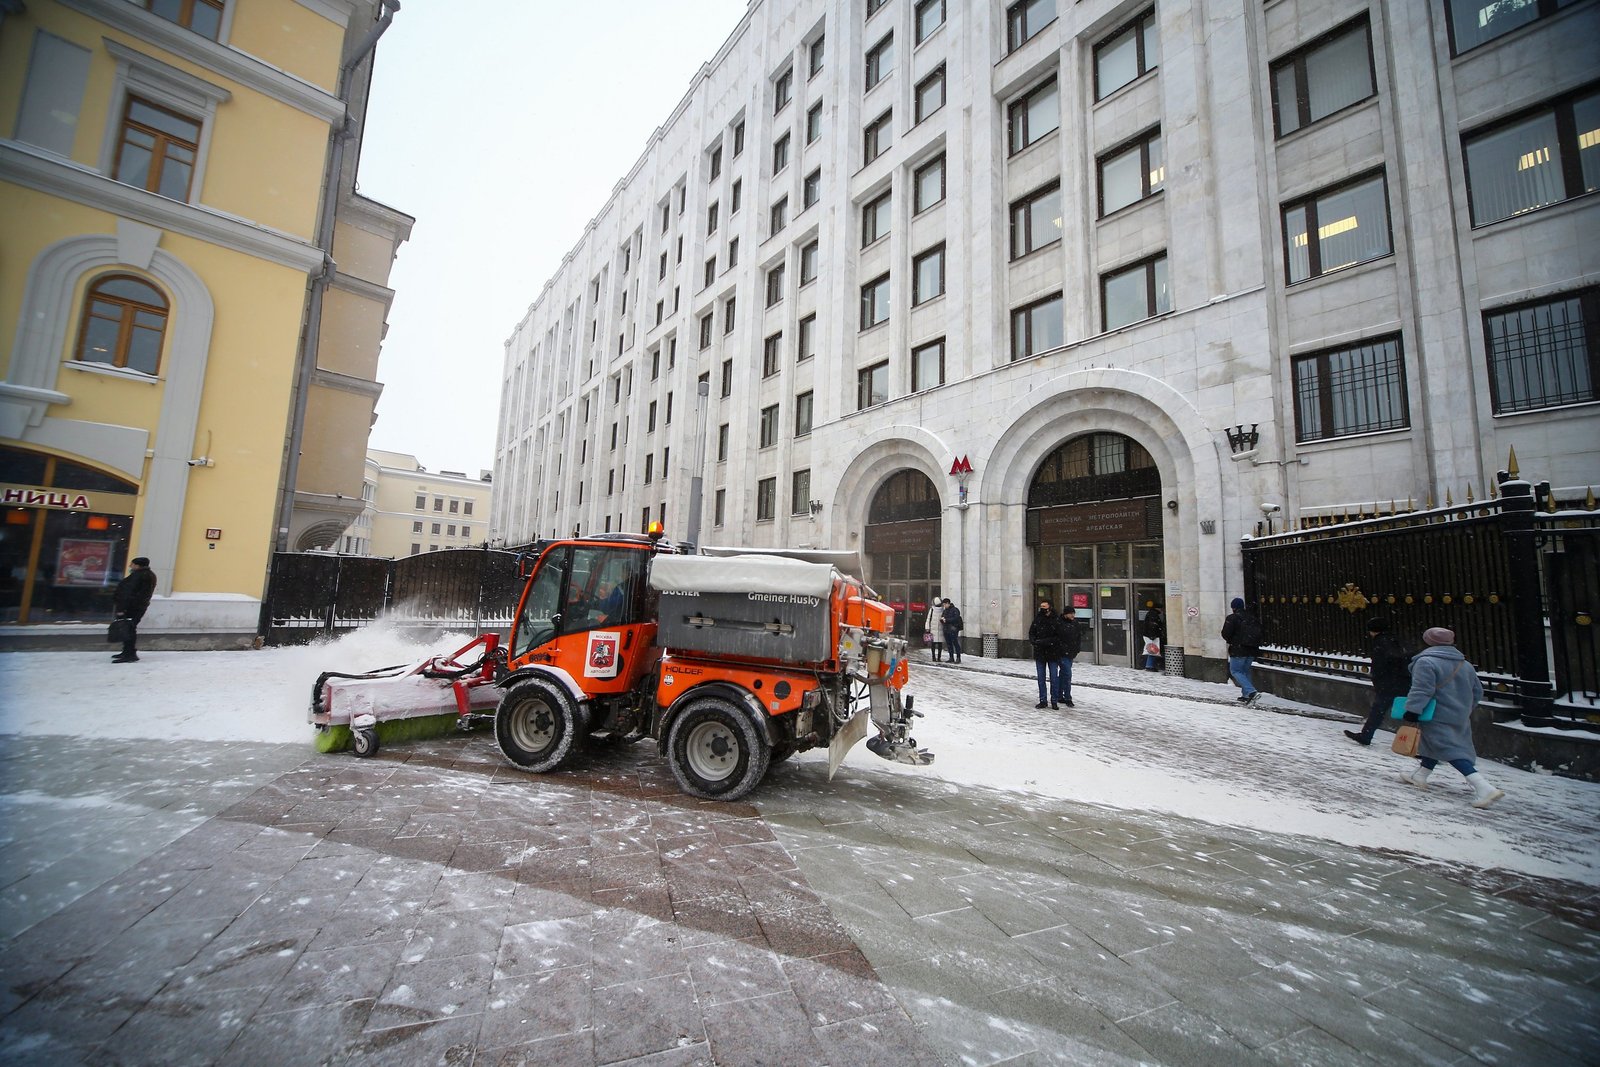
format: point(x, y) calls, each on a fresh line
point(1172, 505)
point(1271, 509)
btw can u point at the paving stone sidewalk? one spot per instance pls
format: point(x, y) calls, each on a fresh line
point(258, 904)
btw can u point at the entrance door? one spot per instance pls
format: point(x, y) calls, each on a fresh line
point(1113, 644)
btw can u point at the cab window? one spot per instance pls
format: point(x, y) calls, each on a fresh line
point(536, 624)
point(606, 589)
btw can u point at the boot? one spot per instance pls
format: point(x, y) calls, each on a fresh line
point(1417, 776)
point(1483, 794)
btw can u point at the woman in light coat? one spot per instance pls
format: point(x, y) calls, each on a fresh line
point(935, 627)
point(1441, 673)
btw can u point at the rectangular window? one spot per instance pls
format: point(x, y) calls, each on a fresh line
point(1475, 22)
point(1328, 75)
point(928, 184)
point(1025, 19)
point(872, 385)
point(722, 443)
point(808, 263)
point(1536, 159)
point(709, 276)
point(416, 549)
point(1135, 292)
point(769, 426)
point(780, 153)
point(782, 91)
point(435, 529)
point(880, 60)
point(716, 168)
point(1544, 354)
point(438, 503)
point(661, 272)
point(927, 275)
point(727, 378)
point(735, 197)
point(422, 502)
point(738, 141)
point(650, 418)
point(661, 311)
point(802, 414)
point(878, 135)
point(811, 189)
point(666, 215)
point(416, 527)
point(771, 355)
point(1035, 114)
point(814, 55)
point(875, 219)
point(875, 6)
point(1131, 172)
point(706, 329)
point(766, 499)
point(711, 218)
point(779, 215)
point(1037, 327)
point(800, 492)
point(157, 149)
point(1351, 224)
point(719, 509)
point(1343, 391)
point(733, 253)
point(930, 93)
point(466, 531)
point(466, 508)
point(611, 482)
point(927, 365)
point(1125, 55)
point(649, 467)
point(202, 16)
point(875, 302)
point(814, 123)
point(775, 285)
point(807, 346)
point(1036, 220)
point(728, 307)
point(929, 17)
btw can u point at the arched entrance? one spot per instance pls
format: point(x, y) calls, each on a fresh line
point(1094, 527)
point(63, 539)
point(902, 546)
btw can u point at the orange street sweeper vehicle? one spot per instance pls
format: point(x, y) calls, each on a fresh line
point(730, 662)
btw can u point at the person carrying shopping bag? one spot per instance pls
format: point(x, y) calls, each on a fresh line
point(1442, 678)
point(934, 628)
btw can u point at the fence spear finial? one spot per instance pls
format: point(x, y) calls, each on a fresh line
point(1511, 463)
point(1469, 492)
point(1449, 503)
point(1588, 499)
point(1427, 505)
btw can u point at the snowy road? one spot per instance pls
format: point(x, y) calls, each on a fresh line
point(1170, 746)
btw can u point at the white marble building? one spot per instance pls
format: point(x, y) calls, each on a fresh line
point(1075, 244)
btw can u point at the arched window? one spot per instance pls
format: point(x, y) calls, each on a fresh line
point(124, 322)
point(1096, 466)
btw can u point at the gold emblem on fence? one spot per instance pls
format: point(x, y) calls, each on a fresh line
point(1351, 599)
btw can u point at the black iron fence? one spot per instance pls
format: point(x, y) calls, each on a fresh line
point(1515, 577)
point(310, 594)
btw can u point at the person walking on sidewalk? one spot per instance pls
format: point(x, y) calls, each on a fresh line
point(1071, 645)
point(952, 623)
point(934, 628)
point(1045, 636)
point(1242, 630)
point(1391, 676)
point(1440, 673)
point(130, 602)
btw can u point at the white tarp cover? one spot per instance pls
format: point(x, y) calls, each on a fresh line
point(740, 574)
point(847, 560)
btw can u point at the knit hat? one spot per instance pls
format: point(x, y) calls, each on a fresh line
point(1438, 635)
point(143, 561)
point(1238, 604)
point(1377, 624)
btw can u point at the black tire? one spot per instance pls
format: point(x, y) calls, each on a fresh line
point(536, 726)
point(715, 751)
point(364, 742)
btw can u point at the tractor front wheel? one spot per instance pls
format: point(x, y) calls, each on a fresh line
point(716, 751)
point(537, 726)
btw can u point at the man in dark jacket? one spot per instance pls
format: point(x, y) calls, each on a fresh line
point(953, 624)
point(1045, 636)
point(1391, 677)
point(1242, 631)
point(130, 602)
point(1071, 645)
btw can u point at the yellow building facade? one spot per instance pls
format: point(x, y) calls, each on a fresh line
point(412, 510)
point(169, 218)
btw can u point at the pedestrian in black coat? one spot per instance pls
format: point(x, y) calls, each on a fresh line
point(1153, 627)
point(1391, 676)
point(1071, 638)
point(953, 624)
point(130, 602)
point(1045, 636)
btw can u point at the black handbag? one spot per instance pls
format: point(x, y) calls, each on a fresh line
point(119, 631)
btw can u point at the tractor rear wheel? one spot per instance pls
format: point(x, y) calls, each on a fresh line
point(716, 751)
point(536, 726)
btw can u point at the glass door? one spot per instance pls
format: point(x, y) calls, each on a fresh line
point(1113, 645)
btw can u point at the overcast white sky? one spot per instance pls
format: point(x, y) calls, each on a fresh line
point(503, 127)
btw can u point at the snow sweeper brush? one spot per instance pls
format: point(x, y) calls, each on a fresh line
point(407, 702)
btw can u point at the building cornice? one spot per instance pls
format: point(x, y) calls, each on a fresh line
point(347, 383)
point(29, 167)
point(349, 283)
point(392, 220)
point(231, 63)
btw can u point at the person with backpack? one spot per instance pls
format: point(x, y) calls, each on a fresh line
point(1391, 677)
point(950, 621)
point(1242, 630)
point(1071, 637)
